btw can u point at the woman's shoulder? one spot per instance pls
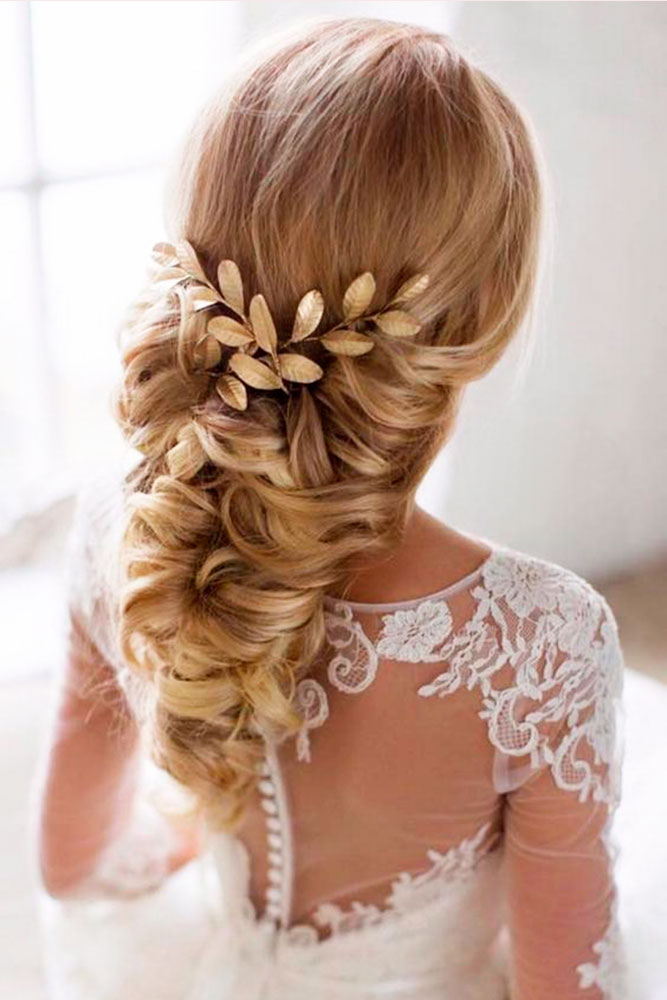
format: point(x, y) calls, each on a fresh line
point(525, 581)
point(93, 578)
point(91, 556)
point(556, 609)
point(98, 501)
point(541, 645)
point(557, 629)
point(99, 506)
point(525, 584)
point(541, 620)
point(529, 584)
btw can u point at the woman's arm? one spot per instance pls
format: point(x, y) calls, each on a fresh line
point(561, 895)
point(95, 829)
point(559, 849)
point(90, 769)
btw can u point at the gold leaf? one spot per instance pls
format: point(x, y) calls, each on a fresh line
point(201, 297)
point(415, 285)
point(254, 372)
point(208, 352)
point(347, 342)
point(228, 331)
point(189, 260)
point(397, 323)
point(262, 324)
point(358, 296)
point(170, 274)
point(186, 458)
point(308, 315)
point(165, 253)
point(231, 285)
point(298, 368)
point(232, 391)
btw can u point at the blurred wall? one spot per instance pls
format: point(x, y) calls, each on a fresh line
point(572, 462)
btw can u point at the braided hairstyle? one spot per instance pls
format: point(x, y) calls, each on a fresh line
point(348, 145)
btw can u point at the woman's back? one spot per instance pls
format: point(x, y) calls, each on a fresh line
point(422, 715)
point(449, 791)
point(356, 812)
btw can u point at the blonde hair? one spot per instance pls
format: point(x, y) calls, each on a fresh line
point(354, 145)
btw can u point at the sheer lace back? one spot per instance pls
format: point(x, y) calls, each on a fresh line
point(456, 772)
point(371, 782)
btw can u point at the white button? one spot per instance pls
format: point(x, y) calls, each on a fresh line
point(273, 910)
point(276, 857)
point(275, 876)
point(273, 823)
point(267, 786)
point(274, 839)
point(269, 806)
point(273, 893)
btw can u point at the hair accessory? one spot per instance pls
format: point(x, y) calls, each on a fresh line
point(258, 360)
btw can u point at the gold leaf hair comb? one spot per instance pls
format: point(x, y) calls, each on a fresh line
point(258, 360)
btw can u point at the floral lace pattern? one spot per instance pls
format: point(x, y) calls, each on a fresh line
point(134, 862)
point(412, 635)
point(352, 669)
point(355, 668)
point(551, 626)
point(410, 892)
point(608, 972)
point(565, 657)
point(313, 706)
point(559, 637)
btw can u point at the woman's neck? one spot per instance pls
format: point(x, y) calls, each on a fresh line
point(429, 557)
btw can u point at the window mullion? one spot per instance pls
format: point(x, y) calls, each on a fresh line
point(45, 372)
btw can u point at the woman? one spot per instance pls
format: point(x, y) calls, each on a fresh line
point(401, 739)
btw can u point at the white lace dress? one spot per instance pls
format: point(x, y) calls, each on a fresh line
point(444, 827)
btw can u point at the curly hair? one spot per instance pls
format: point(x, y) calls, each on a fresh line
point(347, 145)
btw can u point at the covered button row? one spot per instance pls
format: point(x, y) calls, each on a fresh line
point(274, 838)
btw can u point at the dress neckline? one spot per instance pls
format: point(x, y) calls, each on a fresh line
point(444, 592)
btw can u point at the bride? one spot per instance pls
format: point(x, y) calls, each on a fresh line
point(396, 748)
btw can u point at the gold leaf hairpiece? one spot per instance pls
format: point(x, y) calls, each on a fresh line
point(256, 331)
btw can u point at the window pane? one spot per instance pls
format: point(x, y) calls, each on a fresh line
point(14, 61)
point(25, 443)
point(117, 83)
point(97, 240)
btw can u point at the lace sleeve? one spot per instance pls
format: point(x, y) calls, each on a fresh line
point(101, 830)
point(560, 855)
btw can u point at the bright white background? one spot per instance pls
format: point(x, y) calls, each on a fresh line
point(568, 462)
